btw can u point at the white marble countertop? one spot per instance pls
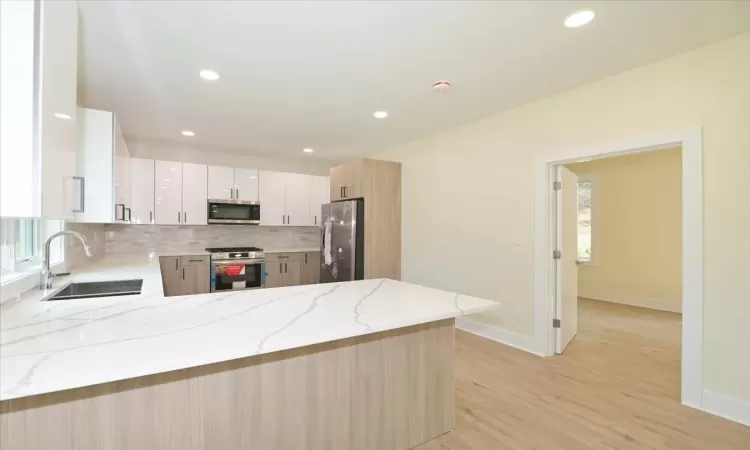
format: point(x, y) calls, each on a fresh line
point(53, 346)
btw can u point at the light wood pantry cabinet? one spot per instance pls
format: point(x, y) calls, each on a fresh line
point(141, 190)
point(181, 193)
point(227, 183)
point(346, 181)
point(379, 184)
point(185, 275)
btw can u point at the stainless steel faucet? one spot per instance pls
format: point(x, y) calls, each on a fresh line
point(47, 275)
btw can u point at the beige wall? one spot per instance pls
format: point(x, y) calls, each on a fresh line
point(637, 229)
point(468, 191)
point(171, 151)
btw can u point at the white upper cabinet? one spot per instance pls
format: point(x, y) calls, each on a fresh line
point(320, 191)
point(141, 190)
point(227, 183)
point(297, 199)
point(123, 210)
point(194, 194)
point(284, 199)
point(96, 164)
point(58, 67)
point(168, 187)
point(246, 184)
point(220, 182)
point(38, 78)
point(272, 194)
point(181, 193)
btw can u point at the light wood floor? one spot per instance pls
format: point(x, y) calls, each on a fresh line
point(616, 387)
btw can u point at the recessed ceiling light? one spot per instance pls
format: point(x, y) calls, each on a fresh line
point(188, 133)
point(62, 116)
point(579, 18)
point(209, 75)
point(308, 150)
point(380, 114)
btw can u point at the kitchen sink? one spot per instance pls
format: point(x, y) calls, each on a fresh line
point(98, 289)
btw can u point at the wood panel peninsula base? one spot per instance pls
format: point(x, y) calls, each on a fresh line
point(387, 390)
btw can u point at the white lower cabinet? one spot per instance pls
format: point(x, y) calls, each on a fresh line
point(141, 190)
point(181, 193)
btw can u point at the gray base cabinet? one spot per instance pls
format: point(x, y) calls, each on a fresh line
point(185, 275)
point(292, 269)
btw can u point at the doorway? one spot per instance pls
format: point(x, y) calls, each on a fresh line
point(625, 225)
point(556, 312)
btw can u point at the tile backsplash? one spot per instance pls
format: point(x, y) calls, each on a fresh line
point(94, 234)
point(164, 238)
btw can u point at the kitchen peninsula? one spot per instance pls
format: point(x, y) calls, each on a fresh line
point(365, 364)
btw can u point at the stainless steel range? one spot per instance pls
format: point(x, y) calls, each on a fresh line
point(234, 268)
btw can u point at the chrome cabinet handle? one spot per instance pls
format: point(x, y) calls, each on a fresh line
point(283, 219)
point(315, 220)
point(151, 216)
point(176, 264)
point(305, 258)
point(280, 269)
point(185, 217)
point(178, 217)
point(129, 216)
point(183, 273)
point(237, 193)
point(82, 196)
point(341, 192)
point(286, 268)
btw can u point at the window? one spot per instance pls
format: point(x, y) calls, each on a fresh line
point(21, 246)
point(26, 238)
point(585, 221)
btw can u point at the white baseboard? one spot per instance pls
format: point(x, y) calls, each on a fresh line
point(510, 338)
point(726, 407)
point(651, 303)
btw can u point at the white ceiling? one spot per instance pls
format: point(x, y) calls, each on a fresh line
point(310, 74)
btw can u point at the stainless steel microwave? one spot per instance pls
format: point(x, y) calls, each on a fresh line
point(233, 211)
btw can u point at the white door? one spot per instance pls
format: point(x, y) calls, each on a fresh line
point(57, 102)
point(272, 195)
point(168, 193)
point(194, 194)
point(298, 199)
point(141, 190)
point(566, 267)
point(319, 195)
point(246, 184)
point(220, 182)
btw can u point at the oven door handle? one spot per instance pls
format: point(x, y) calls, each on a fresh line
point(225, 262)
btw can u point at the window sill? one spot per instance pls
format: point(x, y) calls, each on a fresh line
point(16, 283)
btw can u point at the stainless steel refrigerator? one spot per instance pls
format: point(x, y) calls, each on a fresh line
point(342, 253)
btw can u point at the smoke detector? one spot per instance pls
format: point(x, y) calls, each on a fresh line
point(441, 86)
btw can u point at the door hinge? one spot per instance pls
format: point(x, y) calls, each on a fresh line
point(555, 323)
point(556, 254)
point(557, 185)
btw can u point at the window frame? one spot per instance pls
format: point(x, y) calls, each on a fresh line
point(593, 179)
point(22, 274)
